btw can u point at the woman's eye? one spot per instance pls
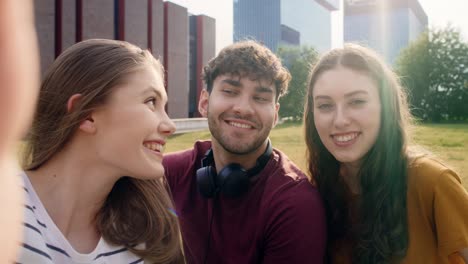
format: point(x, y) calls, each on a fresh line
point(151, 102)
point(325, 106)
point(357, 102)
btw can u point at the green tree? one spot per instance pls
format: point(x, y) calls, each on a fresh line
point(434, 68)
point(413, 66)
point(448, 93)
point(298, 60)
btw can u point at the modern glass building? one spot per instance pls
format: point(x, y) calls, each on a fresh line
point(275, 22)
point(386, 26)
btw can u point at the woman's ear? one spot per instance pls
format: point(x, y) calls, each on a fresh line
point(86, 125)
point(73, 101)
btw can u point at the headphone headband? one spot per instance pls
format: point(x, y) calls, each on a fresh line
point(232, 180)
point(261, 162)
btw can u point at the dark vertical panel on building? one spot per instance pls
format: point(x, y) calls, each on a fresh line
point(193, 66)
point(121, 20)
point(79, 20)
point(150, 25)
point(58, 27)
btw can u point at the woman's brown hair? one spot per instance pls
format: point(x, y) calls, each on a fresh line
point(136, 211)
point(381, 235)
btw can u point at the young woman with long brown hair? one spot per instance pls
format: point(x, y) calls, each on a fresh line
point(385, 203)
point(93, 169)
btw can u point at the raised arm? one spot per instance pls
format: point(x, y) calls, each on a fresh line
point(19, 69)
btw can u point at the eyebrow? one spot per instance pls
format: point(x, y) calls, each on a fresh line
point(261, 89)
point(258, 89)
point(346, 95)
point(232, 82)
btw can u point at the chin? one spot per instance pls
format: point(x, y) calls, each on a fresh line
point(152, 173)
point(345, 159)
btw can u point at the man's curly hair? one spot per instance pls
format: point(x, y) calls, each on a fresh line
point(248, 59)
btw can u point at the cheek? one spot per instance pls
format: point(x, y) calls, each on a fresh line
point(320, 121)
point(321, 125)
point(373, 117)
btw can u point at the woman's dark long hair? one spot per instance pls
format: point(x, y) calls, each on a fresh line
point(381, 232)
point(135, 211)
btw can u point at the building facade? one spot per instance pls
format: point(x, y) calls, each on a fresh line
point(161, 27)
point(277, 22)
point(202, 49)
point(386, 26)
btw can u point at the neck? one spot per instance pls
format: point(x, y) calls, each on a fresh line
point(73, 188)
point(223, 157)
point(350, 174)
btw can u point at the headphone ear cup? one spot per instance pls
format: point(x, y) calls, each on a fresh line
point(205, 181)
point(233, 180)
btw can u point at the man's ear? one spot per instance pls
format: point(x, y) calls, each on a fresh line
point(277, 107)
point(86, 125)
point(203, 103)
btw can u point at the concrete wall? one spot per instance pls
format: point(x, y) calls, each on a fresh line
point(68, 24)
point(157, 29)
point(185, 125)
point(176, 59)
point(44, 12)
point(98, 19)
point(136, 22)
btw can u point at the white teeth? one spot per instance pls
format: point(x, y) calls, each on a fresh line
point(154, 146)
point(345, 138)
point(235, 124)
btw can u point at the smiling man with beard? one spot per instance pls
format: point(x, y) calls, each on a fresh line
point(238, 199)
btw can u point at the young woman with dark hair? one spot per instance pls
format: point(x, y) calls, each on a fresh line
point(385, 203)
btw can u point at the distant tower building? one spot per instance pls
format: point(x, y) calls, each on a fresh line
point(386, 26)
point(289, 36)
point(292, 22)
point(259, 20)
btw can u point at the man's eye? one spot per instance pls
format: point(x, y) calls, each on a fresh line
point(228, 92)
point(261, 99)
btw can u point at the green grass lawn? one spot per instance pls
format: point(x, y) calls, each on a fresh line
point(449, 142)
